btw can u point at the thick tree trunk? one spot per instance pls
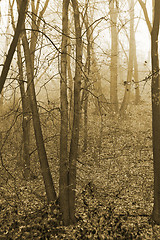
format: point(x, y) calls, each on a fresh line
point(47, 177)
point(156, 111)
point(114, 56)
point(64, 168)
point(76, 119)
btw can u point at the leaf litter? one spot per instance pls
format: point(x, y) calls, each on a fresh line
point(114, 186)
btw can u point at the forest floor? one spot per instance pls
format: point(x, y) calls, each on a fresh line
point(114, 187)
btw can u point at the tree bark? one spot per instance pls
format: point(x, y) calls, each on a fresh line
point(26, 115)
point(76, 119)
point(13, 45)
point(47, 177)
point(70, 86)
point(156, 111)
point(64, 168)
point(86, 81)
point(70, 80)
point(25, 104)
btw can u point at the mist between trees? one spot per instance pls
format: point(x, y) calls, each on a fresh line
point(80, 114)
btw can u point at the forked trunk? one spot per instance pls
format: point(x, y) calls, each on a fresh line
point(47, 177)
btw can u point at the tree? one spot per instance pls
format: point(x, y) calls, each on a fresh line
point(13, 45)
point(143, 6)
point(47, 177)
point(87, 66)
point(156, 111)
point(155, 90)
point(64, 165)
point(67, 181)
point(73, 154)
point(70, 77)
point(114, 55)
point(135, 74)
point(130, 61)
point(100, 101)
point(29, 58)
point(26, 116)
point(25, 107)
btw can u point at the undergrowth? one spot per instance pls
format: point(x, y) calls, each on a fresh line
point(114, 182)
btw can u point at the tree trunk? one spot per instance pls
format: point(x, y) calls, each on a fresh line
point(1, 100)
point(36, 21)
point(143, 6)
point(70, 83)
point(47, 177)
point(114, 56)
point(25, 104)
point(136, 80)
point(13, 45)
point(64, 168)
point(86, 82)
point(100, 101)
point(156, 111)
point(70, 86)
point(76, 119)
point(137, 91)
point(130, 62)
point(26, 115)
